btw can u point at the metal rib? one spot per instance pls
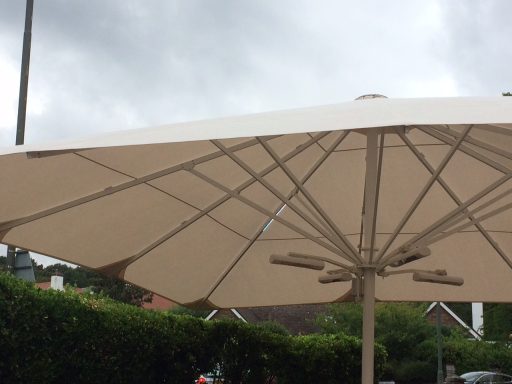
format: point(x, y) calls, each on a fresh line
point(306, 177)
point(465, 149)
point(423, 192)
point(266, 212)
point(312, 211)
point(118, 188)
point(275, 192)
point(280, 196)
point(453, 195)
point(465, 215)
point(474, 221)
point(475, 142)
point(449, 216)
point(118, 266)
point(312, 201)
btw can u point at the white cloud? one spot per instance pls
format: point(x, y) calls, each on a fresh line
point(9, 80)
point(440, 86)
point(105, 66)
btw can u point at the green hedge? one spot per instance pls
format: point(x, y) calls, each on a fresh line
point(50, 336)
point(326, 359)
point(472, 355)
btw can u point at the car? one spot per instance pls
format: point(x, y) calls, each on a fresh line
point(484, 377)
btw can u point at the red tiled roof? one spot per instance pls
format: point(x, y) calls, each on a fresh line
point(44, 285)
point(159, 303)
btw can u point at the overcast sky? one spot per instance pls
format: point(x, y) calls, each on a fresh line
point(100, 65)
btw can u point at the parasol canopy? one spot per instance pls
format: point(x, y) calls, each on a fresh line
point(412, 190)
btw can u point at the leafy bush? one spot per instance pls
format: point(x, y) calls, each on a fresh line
point(245, 353)
point(325, 359)
point(52, 336)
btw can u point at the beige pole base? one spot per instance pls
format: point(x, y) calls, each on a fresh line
point(367, 375)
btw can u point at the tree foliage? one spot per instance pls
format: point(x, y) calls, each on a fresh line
point(400, 327)
point(472, 355)
point(180, 310)
point(498, 322)
point(83, 278)
point(410, 340)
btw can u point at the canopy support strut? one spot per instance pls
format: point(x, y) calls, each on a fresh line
point(367, 374)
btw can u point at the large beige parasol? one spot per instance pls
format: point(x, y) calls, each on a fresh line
point(382, 195)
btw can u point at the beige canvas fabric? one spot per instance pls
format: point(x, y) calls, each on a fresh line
point(193, 211)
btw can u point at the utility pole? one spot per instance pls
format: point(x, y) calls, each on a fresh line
point(440, 375)
point(22, 103)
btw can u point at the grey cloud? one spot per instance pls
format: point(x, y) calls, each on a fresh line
point(169, 60)
point(478, 47)
point(104, 65)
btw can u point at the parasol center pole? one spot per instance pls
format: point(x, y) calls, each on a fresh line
point(370, 196)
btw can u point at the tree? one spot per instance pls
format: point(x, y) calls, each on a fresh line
point(473, 355)
point(74, 276)
point(401, 328)
point(122, 291)
point(83, 278)
point(498, 322)
point(3, 264)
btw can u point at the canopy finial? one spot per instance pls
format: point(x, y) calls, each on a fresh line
point(371, 96)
